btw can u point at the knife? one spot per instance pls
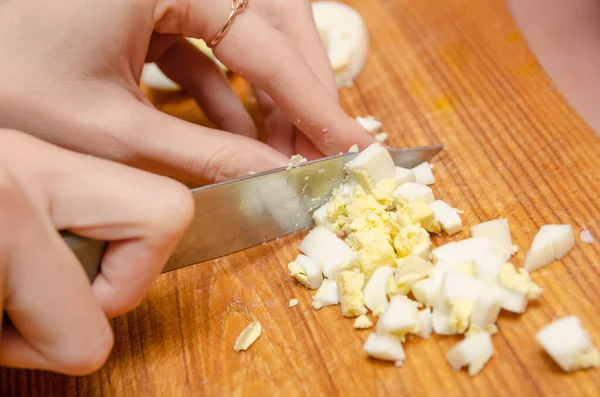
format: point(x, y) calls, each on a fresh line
point(242, 213)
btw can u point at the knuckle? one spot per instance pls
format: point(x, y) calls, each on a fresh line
point(221, 166)
point(85, 356)
point(176, 206)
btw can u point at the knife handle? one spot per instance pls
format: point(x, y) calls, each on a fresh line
point(88, 251)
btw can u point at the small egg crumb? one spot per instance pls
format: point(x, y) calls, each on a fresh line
point(248, 336)
point(362, 322)
point(293, 302)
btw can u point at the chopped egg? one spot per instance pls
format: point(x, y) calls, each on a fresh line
point(440, 321)
point(415, 191)
point(423, 174)
point(362, 322)
point(552, 242)
point(569, 344)
point(473, 351)
point(499, 234)
point(485, 310)
point(424, 324)
point(370, 123)
point(447, 217)
point(306, 271)
point(353, 149)
point(381, 137)
point(326, 295)
point(487, 266)
point(371, 166)
point(296, 160)
point(408, 272)
point(384, 347)
point(510, 300)
point(350, 290)
point(400, 318)
point(345, 37)
point(461, 251)
point(375, 291)
point(248, 336)
point(518, 281)
point(324, 247)
point(404, 175)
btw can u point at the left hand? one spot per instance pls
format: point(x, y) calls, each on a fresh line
point(70, 74)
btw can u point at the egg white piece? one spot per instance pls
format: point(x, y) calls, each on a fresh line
point(474, 351)
point(384, 347)
point(374, 292)
point(486, 309)
point(487, 266)
point(401, 316)
point(552, 242)
point(404, 175)
point(371, 166)
point(569, 344)
point(447, 216)
point(423, 174)
point(326, 295)
point(461, 251)
point(499, 234)
point(324, 247)
point(370, 123)
point(345, 37)
point(313, 271)
point(413, 191)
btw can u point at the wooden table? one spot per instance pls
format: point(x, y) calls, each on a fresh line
point(455, 72)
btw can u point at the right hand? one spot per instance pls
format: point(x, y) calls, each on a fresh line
point(58, 321)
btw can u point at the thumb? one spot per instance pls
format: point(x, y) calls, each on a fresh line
point(193, 153)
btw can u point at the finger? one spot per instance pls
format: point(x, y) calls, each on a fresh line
point(140, 214)
point(280, 132)
point(306, 148)
point(200, 77)
point(48, 297)
point(198, 154)
point(281, 71)
point(299, 26)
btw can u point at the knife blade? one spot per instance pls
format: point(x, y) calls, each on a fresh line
point(242, 213)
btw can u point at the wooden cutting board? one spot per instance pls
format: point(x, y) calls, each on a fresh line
point(455, 72)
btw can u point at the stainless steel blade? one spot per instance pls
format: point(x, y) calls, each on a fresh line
point(249, 211)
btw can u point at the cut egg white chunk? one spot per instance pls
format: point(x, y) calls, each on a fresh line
point(473, 351)
point(447, 216)
point(486, 309)
point(499, 234)
point(371, 166)
point(345, 36)
point(425, 324)
point(313, 271)
point(326, 295)
point(401, 316)
point(384, 347)
point(423, 174)
point(569, 344)
point(414, 192)
point(461, 251)
point(487, 266)
point(324, 247)
point(404, 175)
point(460, 286)
point(374, 293)
point(510, 300)
point(552, 242)
point(370, 123)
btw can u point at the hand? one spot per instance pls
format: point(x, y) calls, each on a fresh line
point(58, 321)
point(70, 75)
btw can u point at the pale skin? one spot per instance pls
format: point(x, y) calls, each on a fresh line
point(70, 72)
point(70, 82)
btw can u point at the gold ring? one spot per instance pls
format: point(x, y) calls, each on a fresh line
point(237, 6)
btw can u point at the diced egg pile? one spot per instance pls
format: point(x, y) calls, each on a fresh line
point(371, 253)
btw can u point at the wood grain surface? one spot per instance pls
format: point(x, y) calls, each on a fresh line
point(455, 72)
